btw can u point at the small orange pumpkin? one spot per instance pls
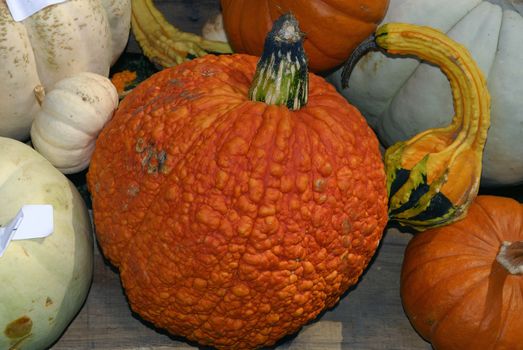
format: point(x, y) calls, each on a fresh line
point(235, 222)
point(332, 28)
point(462, 284)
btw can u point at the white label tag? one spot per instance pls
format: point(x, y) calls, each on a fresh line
point(21, 9)
point(32, 221)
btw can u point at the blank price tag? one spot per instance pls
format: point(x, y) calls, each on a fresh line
point(21, 9)
point(32, 221)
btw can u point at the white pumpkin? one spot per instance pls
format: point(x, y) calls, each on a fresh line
point(44, 281)
point(72, 115)
point(401, 97)
point(56, 42)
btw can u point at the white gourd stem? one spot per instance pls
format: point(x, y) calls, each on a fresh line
point(510, 256)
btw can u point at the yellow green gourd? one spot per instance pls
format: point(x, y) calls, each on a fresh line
point(433, 177)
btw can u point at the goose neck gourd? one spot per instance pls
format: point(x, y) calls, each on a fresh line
point(433, 177)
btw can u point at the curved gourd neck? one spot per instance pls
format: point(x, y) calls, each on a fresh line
point(471, 99)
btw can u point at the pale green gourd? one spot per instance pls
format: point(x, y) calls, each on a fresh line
point(44, 281)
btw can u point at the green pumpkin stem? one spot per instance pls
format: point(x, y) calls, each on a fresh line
point(510, 256)
point(281, 76)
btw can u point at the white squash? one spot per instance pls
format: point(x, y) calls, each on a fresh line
point(44, 281)
point(72, 115)
point(56, 42)
point(401, 97)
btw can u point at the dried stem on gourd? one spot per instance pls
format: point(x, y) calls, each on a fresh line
point(281, 76)
point(39, 92)
point(433, 177)
point(510, 256)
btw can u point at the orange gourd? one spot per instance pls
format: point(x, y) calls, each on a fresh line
point(462, 284)
point(332, 28)
point(234, 222)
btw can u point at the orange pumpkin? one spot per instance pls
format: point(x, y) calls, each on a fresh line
point(235, 222)
point(462, 284)
point(333, 28)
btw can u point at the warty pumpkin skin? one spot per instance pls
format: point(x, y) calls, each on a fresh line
point(235, 222)
point(333, 28)
point(455, 287)
point(54, 43)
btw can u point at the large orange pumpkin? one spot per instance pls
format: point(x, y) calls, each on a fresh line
point(235, 222)
point(462, 284)
point(333, 28)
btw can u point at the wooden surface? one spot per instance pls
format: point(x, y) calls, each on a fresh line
point(369, 316)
